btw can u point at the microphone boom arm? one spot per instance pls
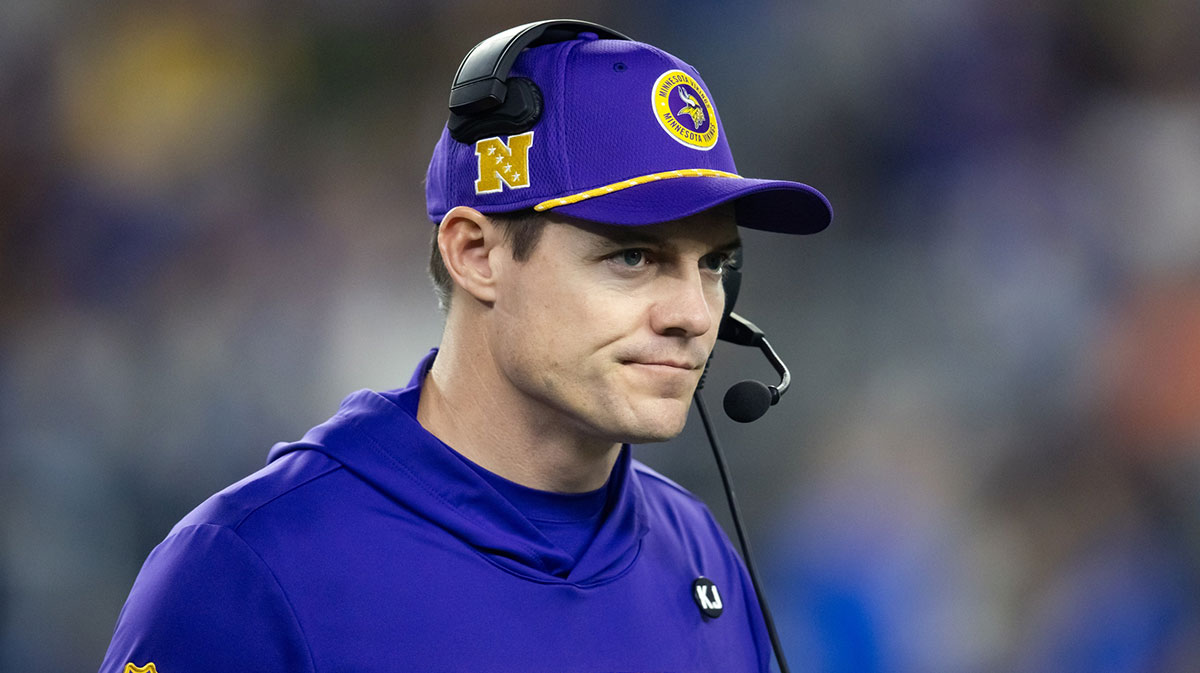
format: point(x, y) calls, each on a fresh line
point(785, 377)
point(749, 400)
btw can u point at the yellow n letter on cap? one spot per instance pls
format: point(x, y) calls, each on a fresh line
point(503, 164)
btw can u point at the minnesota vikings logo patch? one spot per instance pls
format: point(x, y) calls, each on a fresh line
point(684, 111)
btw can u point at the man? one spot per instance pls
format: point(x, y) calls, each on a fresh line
point(489, 516)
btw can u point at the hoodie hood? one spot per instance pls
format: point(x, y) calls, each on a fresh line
point(377, 437)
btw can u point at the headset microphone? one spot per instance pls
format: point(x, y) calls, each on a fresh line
point(748, 400)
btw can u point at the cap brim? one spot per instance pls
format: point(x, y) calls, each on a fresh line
point(768, 205)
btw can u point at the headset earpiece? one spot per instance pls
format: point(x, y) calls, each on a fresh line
point(518, 113)
point(484, 102)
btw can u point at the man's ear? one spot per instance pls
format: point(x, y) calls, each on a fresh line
point(466, 238)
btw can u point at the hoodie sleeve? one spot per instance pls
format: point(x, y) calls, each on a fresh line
point(205, 601)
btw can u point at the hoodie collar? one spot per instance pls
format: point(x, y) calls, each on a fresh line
point(377, 437)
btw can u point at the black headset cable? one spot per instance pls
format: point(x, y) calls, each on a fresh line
point(723, 468)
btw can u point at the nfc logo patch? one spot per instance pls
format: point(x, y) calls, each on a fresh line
point(707, 598)
point(503, 164)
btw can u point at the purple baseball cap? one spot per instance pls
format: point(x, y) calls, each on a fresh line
point(629, 135)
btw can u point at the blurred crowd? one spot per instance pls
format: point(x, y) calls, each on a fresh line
point(212, 228)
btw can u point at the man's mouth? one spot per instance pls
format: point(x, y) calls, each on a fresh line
point(666, 364)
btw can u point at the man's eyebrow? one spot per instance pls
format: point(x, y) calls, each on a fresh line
point(634, 236)
point(629, 236)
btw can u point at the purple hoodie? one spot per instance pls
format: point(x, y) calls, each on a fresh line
point(370, 545)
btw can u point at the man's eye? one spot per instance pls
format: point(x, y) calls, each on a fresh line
point(632, 257)
point(715, 262)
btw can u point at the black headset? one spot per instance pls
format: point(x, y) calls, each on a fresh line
point(484, 102)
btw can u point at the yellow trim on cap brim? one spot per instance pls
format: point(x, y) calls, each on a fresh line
point(633, 182)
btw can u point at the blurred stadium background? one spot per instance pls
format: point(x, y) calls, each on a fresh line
point(212, 229)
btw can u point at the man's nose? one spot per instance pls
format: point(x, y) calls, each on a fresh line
point(686, 307)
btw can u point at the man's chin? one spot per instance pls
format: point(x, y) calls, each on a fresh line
point(659, 423)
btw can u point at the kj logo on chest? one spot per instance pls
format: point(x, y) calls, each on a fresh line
point(707, 598)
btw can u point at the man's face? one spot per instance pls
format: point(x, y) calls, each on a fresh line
point(608, 328)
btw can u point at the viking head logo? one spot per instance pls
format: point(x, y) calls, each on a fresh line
point(691, 107)
point(695, 123)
